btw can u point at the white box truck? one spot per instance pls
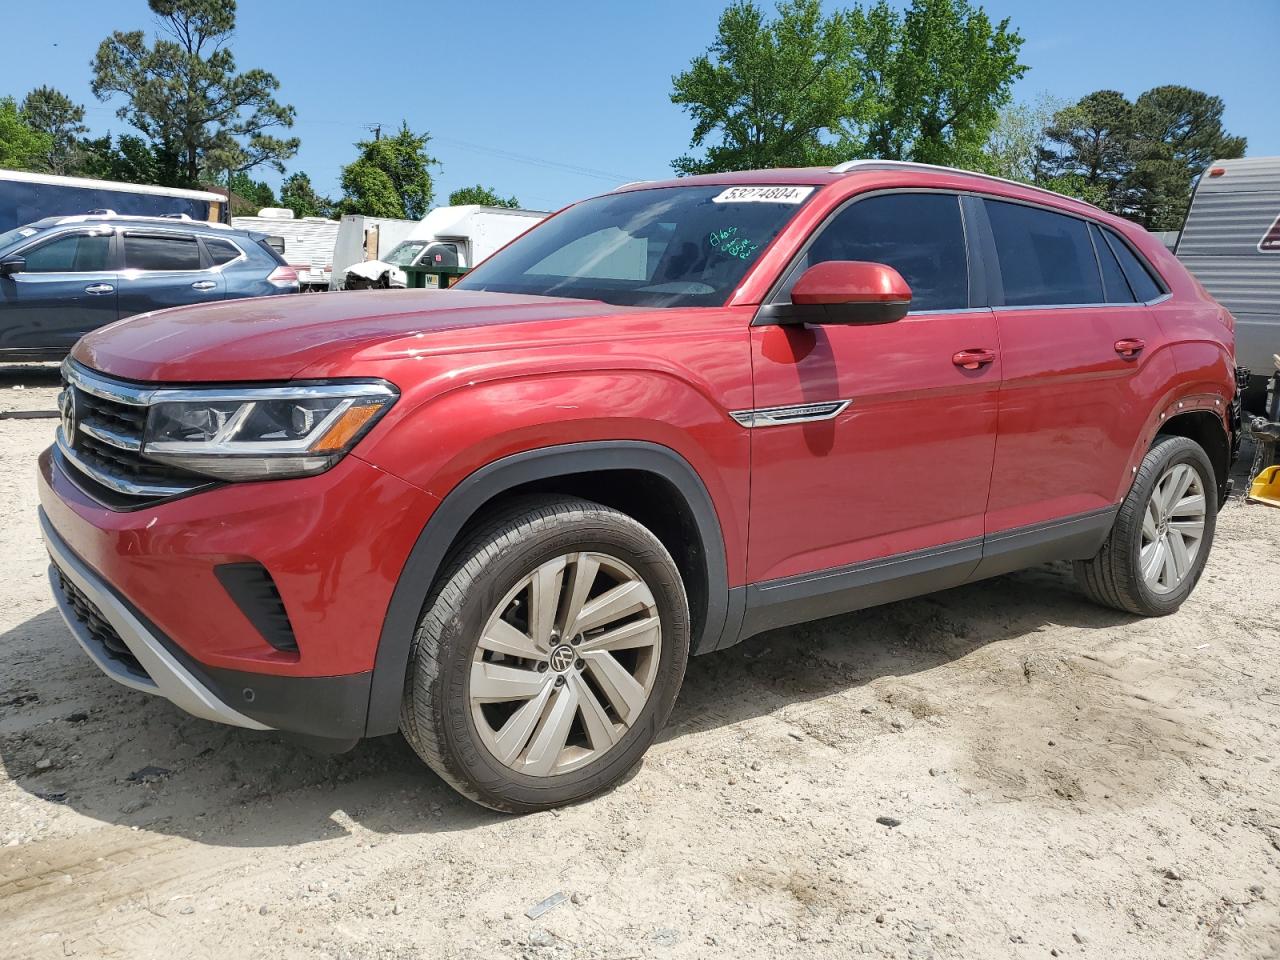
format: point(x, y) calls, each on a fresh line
point(458, 237)
point(362, 239)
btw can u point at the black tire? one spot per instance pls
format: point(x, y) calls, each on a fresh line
point(435, 714)
point(1113, 578)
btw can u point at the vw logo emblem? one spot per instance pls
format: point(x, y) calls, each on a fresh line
point(562, 658)
point(67, 407)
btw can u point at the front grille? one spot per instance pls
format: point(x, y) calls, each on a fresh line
point(101, 438)
point(87, 612)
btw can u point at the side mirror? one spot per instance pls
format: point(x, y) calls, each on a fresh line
point(843, 291)
point(12, 265)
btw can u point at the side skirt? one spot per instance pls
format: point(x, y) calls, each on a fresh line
point(780, 603)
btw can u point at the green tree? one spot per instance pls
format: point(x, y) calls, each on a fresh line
point(248, 196)
point(484, 196)
point(54, 114)
point(300, 196)
point(1177, 132)
point(390, 178)
point(1015, 147)
point(21, 146)
point(185, 95)
point(933, 80)
point(1088, 149)
point(127, 158)
point(771, 92)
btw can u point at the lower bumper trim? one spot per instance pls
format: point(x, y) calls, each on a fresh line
point(165, 675)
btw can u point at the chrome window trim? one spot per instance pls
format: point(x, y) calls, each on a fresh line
point(1128, 304)
point(128, 272)
point(813, 412)
point(58, 234)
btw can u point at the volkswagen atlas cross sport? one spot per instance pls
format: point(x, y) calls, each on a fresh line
point(498, 518)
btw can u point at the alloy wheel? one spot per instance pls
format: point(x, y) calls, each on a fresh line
point(566, 664)
point(1172, 528)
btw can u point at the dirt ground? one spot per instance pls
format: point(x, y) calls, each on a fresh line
point(1066, 781)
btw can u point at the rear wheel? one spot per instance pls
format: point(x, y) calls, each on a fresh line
point(548, 657)
point(1162, 534)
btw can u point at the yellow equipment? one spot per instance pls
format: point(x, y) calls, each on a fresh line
point(1266, 487)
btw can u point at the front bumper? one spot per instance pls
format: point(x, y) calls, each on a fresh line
point(151, 668)
point(141, 593)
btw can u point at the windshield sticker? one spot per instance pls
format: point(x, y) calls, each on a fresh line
point(730, 244)
point(762, 195)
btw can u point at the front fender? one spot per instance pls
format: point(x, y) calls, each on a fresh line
point(724, 608)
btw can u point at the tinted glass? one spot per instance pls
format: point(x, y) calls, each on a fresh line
point(220, 251)
point(1045, 258)
point(921, 235)
point(143, 252)
point(79, 253)
point(1138, 275)
point(668, 247)
point(1114, 284)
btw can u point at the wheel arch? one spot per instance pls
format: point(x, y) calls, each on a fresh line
point(649, 482)
point(1205, 428)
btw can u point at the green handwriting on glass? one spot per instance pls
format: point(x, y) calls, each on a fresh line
point(729, 243)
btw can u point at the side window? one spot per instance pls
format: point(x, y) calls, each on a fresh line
point(1144, 285)
point(160, 252)
point(78, 253)
point(921, 235)
point(1045, 258)
point(220, 251)
point(1114, 284)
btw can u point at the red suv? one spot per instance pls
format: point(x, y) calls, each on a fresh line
point(498, 518)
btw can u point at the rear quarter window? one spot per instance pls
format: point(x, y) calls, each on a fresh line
point(1145, 286)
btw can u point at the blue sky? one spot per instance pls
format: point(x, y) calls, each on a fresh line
point(560, 100)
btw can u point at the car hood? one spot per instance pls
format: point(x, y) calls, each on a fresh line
point(277, 338)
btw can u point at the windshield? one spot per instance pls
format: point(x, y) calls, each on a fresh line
point(403, 254)
point(668, 247)
point(18, 233)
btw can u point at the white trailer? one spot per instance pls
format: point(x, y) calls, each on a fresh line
point(459, 237)
point(1231, 242)
point(363, 238)
point(308, 242)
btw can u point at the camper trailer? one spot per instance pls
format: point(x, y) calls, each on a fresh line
point(308, 242)
point(1231, 242)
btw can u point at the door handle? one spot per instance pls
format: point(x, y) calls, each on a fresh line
point(973, 359)
point(1130, 347)
point(99, 288)
point(203, 285)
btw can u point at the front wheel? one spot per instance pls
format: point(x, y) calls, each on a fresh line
point(1161, 537)
point(548, 657)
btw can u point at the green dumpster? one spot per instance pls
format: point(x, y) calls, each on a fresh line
point(432, 276)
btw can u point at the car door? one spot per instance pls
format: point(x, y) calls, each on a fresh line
point(67, 288)
point(164, 268)
point(1077, 344)
point(872, 447)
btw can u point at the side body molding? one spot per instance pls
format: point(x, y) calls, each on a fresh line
point(724, 608)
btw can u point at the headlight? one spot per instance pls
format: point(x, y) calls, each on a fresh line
point(262, 433)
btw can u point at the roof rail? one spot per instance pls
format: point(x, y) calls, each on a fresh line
point(160, 218)
point(849, 166)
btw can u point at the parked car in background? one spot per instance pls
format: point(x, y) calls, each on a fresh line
point(64, 276)
point(500, 517)
point(1231, 243)
point(453, 237)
